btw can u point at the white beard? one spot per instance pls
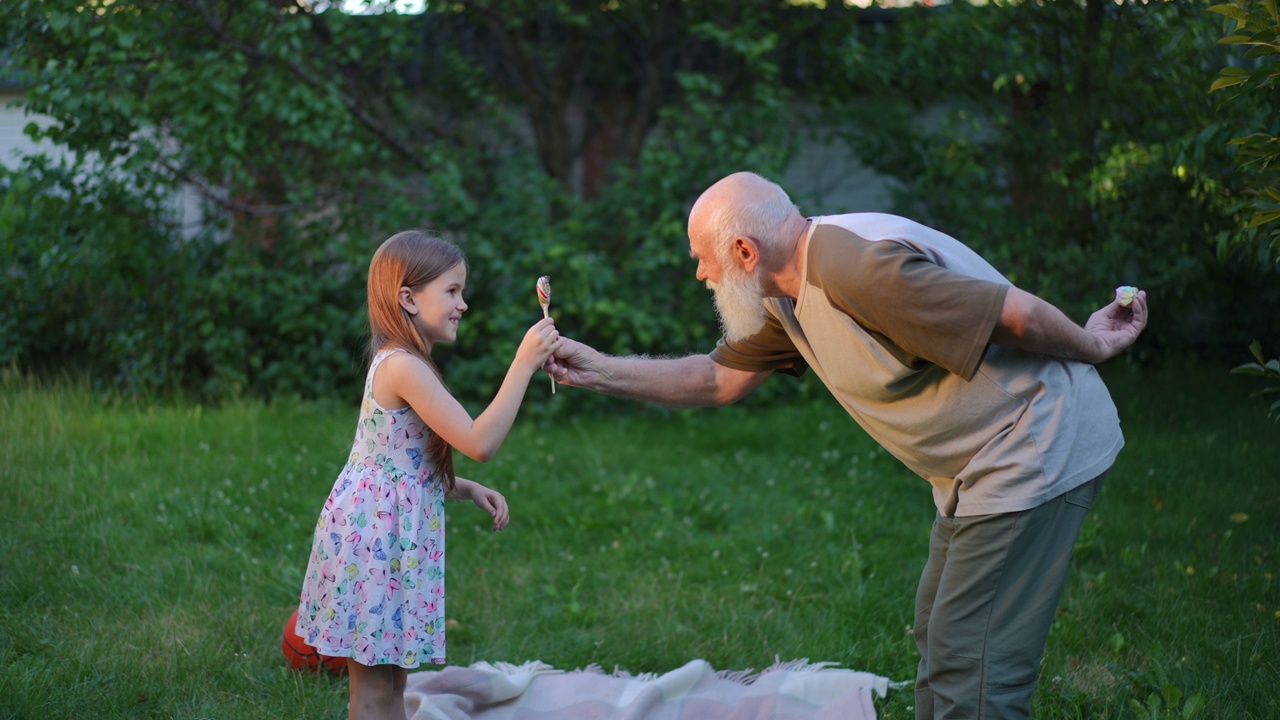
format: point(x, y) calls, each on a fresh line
point(739, 301)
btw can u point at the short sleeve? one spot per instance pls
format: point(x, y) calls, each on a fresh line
point(771, 349)
point(892, 289)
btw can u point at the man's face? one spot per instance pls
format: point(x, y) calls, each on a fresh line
point(738, 295)
point(704, 254)
point(739, 301)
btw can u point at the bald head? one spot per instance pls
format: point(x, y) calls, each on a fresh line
point(745, 205)
point(741, 189)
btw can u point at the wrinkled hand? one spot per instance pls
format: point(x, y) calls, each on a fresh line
point(1116, 327)
point(573, 363)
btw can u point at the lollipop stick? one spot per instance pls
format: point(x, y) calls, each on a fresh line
point(550, 377)
point(544, 299)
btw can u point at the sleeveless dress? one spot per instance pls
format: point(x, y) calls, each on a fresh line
point(374, 586)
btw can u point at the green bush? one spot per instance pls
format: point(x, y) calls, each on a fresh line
point(120, 296)
point(97, 279)
point(80, 257)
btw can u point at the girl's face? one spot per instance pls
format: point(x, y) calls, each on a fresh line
point(437, 306)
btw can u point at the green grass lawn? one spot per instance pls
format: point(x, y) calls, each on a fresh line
point(151, 552)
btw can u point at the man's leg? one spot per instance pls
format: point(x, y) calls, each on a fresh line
point(986, 600)
point(925, 594)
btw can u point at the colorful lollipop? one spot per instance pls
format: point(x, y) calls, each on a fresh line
point(544, 293)
point(544, 299)
point(1124, 294)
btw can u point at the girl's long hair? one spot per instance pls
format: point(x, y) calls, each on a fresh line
point(409, 259)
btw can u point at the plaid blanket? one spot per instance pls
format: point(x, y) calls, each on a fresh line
point(796, 690)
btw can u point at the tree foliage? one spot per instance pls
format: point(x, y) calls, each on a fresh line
point(1253, 77)
point(1256, 27)
point(1071, 142)
point(560, 138)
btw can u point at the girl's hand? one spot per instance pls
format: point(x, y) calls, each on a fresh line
point(539, 343)
point(487, 499)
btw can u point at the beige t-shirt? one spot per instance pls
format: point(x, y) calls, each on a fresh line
point(895, 318)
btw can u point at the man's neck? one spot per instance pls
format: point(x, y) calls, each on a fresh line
point(787, 279)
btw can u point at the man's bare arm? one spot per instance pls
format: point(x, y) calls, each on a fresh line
point(692, 381)
point(1029, 323)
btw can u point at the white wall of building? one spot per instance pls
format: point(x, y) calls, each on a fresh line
point(13, 119)
point(14, 144)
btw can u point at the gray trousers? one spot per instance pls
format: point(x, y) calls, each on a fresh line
point(987, 597)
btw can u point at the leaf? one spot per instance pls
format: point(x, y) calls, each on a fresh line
point(1236, 40)
point(1226, 82)
point(1254, 138)
point(1260, 50)
point(1255, 349)
point(1261, 219)
point(1193, 705)
point(1231, 11)
point(1249, 369)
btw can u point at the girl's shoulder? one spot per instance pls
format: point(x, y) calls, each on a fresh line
point(396, 374)
point(387, 352)
point(398, 358)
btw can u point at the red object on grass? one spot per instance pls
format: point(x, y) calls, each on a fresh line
point(302, 656)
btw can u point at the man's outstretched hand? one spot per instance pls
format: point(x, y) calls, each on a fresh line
point(574, 363)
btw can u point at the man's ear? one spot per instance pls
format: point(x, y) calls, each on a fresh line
point(407, 302)
point(747, 252)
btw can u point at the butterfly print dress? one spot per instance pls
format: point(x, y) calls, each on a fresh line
point(374, 587)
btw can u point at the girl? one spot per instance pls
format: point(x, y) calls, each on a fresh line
point(374, 587)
